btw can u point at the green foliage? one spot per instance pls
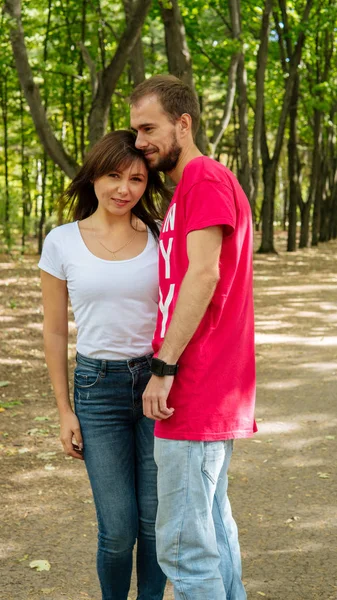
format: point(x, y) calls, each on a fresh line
point(54, 31)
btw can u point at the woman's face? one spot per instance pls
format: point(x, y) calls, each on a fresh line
point(119, 191)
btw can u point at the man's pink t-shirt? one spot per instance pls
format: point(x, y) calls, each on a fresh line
point(213, 393)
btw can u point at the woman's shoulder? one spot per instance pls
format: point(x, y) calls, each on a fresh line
point(61, 232)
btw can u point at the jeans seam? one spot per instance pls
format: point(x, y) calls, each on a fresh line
point(225, 531)
point(177, 557)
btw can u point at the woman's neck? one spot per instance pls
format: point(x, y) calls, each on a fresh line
point(104, 220)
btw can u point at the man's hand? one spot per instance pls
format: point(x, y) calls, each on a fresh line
point(155, 398)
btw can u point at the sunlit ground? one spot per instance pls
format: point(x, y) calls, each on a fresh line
point(282, 482)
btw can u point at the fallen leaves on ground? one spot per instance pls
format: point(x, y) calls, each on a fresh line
point(40, 565)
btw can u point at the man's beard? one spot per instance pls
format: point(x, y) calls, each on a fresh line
point(169, 162)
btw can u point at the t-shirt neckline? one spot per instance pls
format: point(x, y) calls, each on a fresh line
point(113, 261)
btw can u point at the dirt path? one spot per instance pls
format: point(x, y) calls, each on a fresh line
point(283, 484)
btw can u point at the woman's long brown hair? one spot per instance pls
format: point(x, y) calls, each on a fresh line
point(116, 151)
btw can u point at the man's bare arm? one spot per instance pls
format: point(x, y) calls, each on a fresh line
point(195, 295)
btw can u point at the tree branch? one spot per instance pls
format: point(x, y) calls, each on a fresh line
point(91, 66)
point(32, 94)
point(99, 112)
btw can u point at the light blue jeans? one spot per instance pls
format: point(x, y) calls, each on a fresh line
point(197, 538)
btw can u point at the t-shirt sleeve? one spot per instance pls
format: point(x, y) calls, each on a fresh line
point(51, 259)
point(209, 203)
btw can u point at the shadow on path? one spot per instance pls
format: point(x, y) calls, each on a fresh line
point(282, 482)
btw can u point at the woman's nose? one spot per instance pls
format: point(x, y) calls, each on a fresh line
point(122, 188)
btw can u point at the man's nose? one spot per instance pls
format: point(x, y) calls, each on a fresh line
point(141, 143)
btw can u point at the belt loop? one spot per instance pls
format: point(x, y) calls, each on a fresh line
point(103, 368)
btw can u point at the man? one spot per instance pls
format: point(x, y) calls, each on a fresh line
point(205, 326)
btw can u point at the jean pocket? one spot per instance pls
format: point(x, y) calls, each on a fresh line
point(85, 379)
point(214, 456)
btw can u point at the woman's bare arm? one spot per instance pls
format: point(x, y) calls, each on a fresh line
point(55, 335)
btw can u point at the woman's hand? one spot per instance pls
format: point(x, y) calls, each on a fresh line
point(70, 435)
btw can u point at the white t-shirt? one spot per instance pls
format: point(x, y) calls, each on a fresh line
point(114, 302)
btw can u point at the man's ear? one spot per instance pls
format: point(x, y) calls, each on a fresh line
point(185, 124)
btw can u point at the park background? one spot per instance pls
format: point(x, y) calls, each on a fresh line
point(266, 78)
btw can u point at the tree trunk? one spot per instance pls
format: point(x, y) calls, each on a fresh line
point(80, 71)
point(108, 79)
point(25, 192)
point(137, 64)
point(293, 169)
point(316, 219)
point(4, 106)
point(231, 89)
point(305, 224)
point(267, 213)
point(270, 166)
point(316, 164)
point(32, 94)
point(178, 55)
point(333, 222)
point(261, 65)
point(244, 172)
point(43, 203)
point(61, 202)
point(177, 51)
point(325, 203)
point(236, 59)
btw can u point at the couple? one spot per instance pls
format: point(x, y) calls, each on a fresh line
point(198, 388)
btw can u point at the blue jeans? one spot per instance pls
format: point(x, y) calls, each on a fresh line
point(118, 454)
point(197, 538)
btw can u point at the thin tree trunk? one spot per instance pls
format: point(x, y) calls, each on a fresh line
point(316, 163)
point(244, 172)
point(236, 59)
point(325, 200)
point(285, 193)
point(178, 55)
point(293, 169)
point(267, 212)
point(230, 96)
point(333, 173)
point(305, 225)
point(333, 222)
point(32, 93)
point(43, 202)
point(270, 166)
point(137, 63)
point(99, 113)
point(25, 192)
point(261, 64)
point(4, 107)
point(80, 71)
point(108, 79)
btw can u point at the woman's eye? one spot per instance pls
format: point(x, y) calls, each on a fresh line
point(113, 175)
point(136, 179)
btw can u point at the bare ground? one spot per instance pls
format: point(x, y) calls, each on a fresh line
point(283, 482)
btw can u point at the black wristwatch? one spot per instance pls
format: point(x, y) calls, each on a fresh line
point(161, 368)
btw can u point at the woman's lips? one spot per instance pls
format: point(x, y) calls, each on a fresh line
point(120, 201)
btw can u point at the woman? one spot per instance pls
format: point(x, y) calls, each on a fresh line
point(106, 260)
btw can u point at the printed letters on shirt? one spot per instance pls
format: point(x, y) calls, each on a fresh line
point(165, 250)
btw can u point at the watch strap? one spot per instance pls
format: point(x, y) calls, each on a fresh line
point(161, 368)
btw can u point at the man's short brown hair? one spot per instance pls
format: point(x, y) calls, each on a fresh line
point(174, 95)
